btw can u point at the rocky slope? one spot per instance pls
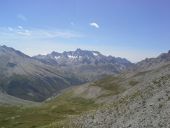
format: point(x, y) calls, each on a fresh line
point(151, 63)
point(86, 64)
point(146, 104)
point(138, 99)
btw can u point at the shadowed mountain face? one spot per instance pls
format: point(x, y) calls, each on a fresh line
point(86, 64)
point(40, 77)
point(30, 79)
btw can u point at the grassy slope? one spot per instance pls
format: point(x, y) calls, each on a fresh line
point(110, 83)
point(56, 110)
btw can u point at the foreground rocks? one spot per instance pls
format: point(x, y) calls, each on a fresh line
point(146, 105)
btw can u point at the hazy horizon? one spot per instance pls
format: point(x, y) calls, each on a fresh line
point(129, 29)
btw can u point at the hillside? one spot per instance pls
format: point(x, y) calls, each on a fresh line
point(24, 77)
point(6, 99)
point(141, 100)
point(131, 99)
point(145, 104)
point(152, 63)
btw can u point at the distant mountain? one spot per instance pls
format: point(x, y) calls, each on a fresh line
point(152, 63)
point(86, 64)
point(24, 77)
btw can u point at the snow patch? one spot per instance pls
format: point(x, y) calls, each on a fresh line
point(95, 54)
point(57, 57)
point(72, 57)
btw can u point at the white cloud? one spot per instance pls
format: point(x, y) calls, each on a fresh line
point(24, 33)
point(93, 24)
point(37, 40)
point(21, 17)
point(36, 33)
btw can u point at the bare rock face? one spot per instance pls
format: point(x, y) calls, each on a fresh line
point(87, 64)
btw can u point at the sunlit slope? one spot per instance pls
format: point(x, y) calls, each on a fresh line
point(137, 98)
point(59, 109)
point(146, 104)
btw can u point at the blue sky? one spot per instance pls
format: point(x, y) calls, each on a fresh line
point(134, 29)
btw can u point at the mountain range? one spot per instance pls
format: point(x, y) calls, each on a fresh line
point(24, 77)
point(40, 91)
point(89, 65)
point(39, 77)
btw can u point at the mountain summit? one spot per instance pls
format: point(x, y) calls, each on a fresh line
point(86, 64)
point(79, 56)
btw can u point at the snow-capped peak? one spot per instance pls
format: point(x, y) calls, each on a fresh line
point(95, 54)
point(72, 57)
point(57, 57)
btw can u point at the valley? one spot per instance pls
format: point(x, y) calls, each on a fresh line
point(135, 97)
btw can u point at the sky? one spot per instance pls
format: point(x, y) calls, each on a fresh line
point(132, 29)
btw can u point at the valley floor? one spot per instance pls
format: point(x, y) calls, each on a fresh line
point(130, 100)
